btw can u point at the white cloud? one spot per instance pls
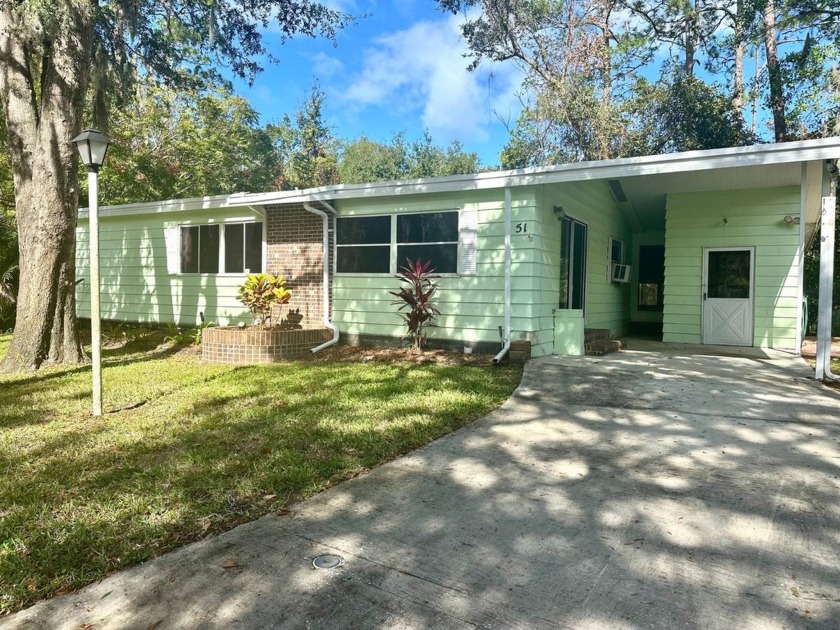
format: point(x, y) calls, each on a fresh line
point(326, 67)
point(423, 69)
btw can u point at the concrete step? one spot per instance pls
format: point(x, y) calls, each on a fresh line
point(595, 334)
point(601, 347)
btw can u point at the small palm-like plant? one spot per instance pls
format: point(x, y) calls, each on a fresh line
point(415, 298)
point(261, 292)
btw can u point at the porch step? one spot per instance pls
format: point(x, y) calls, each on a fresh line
point(601, 347)
point(591, 335)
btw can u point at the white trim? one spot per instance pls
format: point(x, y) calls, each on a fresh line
point(800, 258)
point(758, 155)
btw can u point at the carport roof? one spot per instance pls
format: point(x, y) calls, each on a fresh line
point(645, 180)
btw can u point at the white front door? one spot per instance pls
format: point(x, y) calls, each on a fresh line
point(728, 295)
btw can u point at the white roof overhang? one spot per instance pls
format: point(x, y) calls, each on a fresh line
point(759, 165)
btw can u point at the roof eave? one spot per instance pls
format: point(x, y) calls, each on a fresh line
point(757, 155)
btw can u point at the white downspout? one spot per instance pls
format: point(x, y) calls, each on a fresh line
point(824, 313)
point(326, 287)
point(506, 346)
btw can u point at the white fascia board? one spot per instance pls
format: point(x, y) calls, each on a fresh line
point(215, 202)
point(757, 155)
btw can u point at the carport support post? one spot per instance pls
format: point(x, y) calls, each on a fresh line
point(827, 221)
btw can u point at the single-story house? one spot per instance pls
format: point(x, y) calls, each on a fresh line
point(701, 247)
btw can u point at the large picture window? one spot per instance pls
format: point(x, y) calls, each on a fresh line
point(429, 236)
point(376, 245)
point(363, 245)
point(225, 248)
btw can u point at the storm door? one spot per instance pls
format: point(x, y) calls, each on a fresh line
point(728, 296)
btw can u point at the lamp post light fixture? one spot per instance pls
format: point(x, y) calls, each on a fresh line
point(93, 146)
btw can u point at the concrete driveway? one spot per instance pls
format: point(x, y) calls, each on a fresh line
point(648, 489)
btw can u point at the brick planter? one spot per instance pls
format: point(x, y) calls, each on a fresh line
point(245, 346)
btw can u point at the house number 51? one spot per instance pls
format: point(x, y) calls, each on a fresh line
point(521, 228)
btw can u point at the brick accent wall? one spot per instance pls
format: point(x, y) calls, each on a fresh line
point(254, 345)
point(295, 250)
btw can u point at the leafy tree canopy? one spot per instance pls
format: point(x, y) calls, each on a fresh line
point(364, 160)
point(186, 143)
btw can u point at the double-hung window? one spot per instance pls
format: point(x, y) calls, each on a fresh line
point(221, 248)
point(382, 244)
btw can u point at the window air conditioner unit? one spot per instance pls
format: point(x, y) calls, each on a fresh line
point(620, 273)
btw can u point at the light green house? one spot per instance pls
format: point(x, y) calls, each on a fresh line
point(699, 247)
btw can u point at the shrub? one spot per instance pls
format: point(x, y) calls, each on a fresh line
point(261, 292)
point(416, 299)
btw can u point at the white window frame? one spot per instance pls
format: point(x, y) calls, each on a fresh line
point(395, 264)
point(222, 225)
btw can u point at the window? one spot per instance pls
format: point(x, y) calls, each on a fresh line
point(616, 251)
point(363, 245)
point(200, 249)
point(243, 248)
point(381, 244)
point(429, 236)
point(235, 247)
point(573, 237)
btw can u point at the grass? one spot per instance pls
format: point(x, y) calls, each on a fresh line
point(196, 449)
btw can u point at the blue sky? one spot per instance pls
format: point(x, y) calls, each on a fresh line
point(399, 69)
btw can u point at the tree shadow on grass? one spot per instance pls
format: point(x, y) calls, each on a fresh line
point(196, 462)
point(617, 504)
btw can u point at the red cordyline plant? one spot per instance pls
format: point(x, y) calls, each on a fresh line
point(416, 299)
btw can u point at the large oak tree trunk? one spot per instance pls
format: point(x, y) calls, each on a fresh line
point(43, 77)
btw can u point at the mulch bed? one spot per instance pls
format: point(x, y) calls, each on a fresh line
point(809, 348)
point(352, 354)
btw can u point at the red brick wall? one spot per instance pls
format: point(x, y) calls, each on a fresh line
point(249, 345)
point(295, 250)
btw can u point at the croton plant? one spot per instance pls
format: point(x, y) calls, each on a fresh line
point(261, 292)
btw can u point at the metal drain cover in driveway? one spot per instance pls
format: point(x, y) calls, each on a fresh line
point(327, 561)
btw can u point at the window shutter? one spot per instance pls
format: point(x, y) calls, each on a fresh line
point(172, 234)
point(467, 241)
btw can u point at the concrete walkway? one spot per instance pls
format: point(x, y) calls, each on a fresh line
point(647, 489)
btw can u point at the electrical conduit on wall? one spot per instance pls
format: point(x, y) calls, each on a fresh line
point(506, 344)
point(326, 288)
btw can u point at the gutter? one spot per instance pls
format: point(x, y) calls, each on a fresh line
point(326, 286)
point(506, 345)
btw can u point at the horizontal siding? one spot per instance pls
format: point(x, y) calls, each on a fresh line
point(753, 218)
point(607, 305)
point(135, 281)
point(472, 307)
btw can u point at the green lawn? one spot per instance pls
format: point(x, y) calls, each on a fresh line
point(196, 449)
